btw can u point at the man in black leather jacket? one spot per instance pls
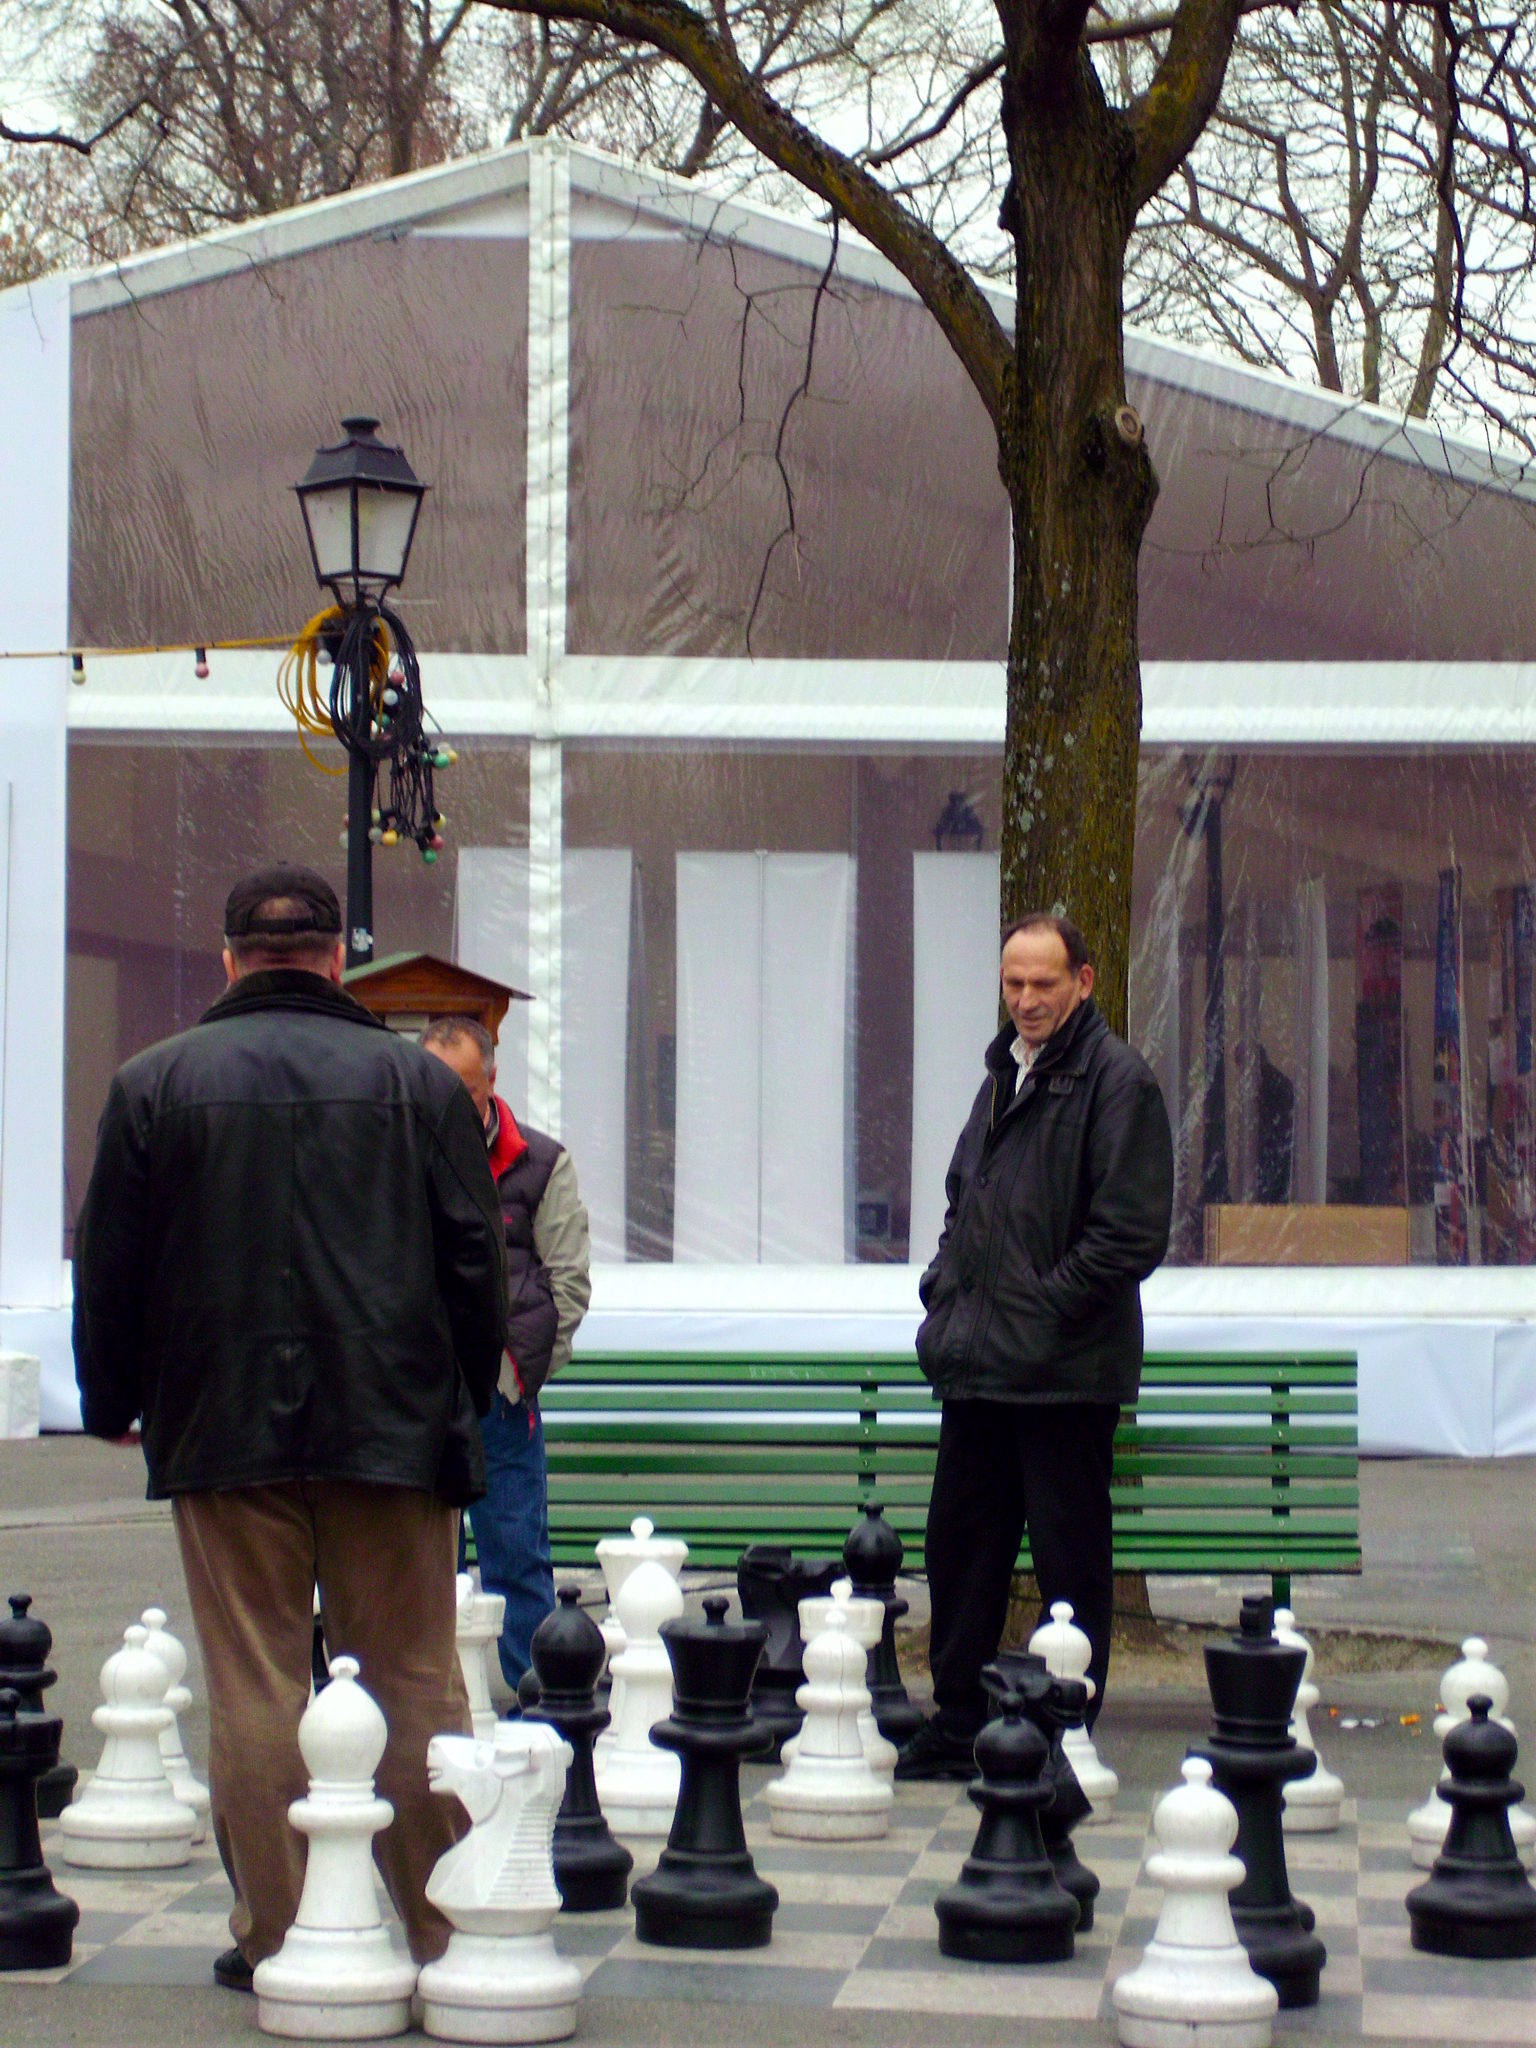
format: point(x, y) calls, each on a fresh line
point(1060, 1194)
point(288, 1267)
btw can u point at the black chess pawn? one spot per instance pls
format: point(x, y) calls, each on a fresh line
point(1054, 1705)
point(872, 1557)
point(771, 1582)
point(591, 1868)
point(1478, 1900)
point(1009, 1906)
point(704, 1891)
point(37, 1924)
point(24, 1646)
point(1253, 1680)
point(530, 1687)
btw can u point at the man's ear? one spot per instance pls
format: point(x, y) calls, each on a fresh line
point(231, 971)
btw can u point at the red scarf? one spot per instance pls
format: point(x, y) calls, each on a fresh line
point(509, 1144)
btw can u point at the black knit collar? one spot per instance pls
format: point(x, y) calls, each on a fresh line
point(288, 988)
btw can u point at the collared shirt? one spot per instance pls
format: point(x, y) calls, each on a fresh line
point(1026, 1055)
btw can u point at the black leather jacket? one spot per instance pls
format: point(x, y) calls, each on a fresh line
point(289, 1259)
point(1059, 1205)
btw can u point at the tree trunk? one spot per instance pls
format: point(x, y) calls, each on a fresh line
point(1081, 487)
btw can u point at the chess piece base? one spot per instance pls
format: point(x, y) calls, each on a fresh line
point(55, 1789)
point(334, 1984)
point(1174, 1999)
point(804, 1813)
point(1484, 1919)
point(1313, 1806)
point(1282, 1949)
point(1006, 1924)
point(125, 1836)
point(37, 1924)
point(714, 1907)
point(500, 1988)
point(591, 1868)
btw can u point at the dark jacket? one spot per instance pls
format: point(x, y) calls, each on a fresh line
point(289, 1257)
point(1059, 1202)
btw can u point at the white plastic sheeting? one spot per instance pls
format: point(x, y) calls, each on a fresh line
point(763, 947)
point(954, 1015)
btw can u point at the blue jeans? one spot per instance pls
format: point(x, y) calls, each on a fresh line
point(511, 1527)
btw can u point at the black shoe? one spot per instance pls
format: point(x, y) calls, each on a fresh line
point(937, 1752)
point(232, 1971)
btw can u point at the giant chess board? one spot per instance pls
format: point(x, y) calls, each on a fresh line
point(856, 1929)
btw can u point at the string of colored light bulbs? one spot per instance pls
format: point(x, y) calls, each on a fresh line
point(386, 730)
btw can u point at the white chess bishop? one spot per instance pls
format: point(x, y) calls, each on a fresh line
point(1067, 1653)
point(638, 1783)
point(1194, 1986)
point(478, 1628)
point(338, 1976)
point(185, 1783)
point(830, 1793)
point(128, 1817)
point(1311, 1806)
point(1473, 1672)
point(866, 1620)
point(500, 1979)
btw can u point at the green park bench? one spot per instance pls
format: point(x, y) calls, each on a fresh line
point(1225, 1464)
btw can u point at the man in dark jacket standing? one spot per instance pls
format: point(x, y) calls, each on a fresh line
point(1060, 1193)
point(549, 1284)
point(288, 1264)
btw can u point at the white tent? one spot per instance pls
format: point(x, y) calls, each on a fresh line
point(704, 756)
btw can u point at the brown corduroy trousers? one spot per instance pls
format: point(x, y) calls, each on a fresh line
point(384, 1558)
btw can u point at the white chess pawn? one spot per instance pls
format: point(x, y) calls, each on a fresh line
point(178, 1768)
point(128, 1817)
point(866, 1620)
point(1472, 1673)
point(1310, 1806)
point(500, 1978)
point(829, 1792)
point(618, 1556)
point(1067, 1653)
point(638, 1783)
point(478, 1628)
point(338, 1976)
point(1194, 1985)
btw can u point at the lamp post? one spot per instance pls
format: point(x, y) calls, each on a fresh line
point(958, 827)
point(361, 500)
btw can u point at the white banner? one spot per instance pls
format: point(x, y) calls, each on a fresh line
point(954, 1018)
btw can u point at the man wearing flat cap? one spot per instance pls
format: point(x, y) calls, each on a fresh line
point(289, 1270)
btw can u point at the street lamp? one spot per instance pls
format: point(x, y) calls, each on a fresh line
point(958, 827)
point(361, 500)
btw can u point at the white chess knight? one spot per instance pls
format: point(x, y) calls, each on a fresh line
point(638, 1783)
point(866, 1620)
point(1471, 1674)
point(829, 1793)
point(478, 1629)
point(1067, 1653)
point(500, 1978)
point(1315, 1805)
point(178, 1768)
point(1194, 1986)
point(338, 1976)
point(618, 1556)
point(129, 1817)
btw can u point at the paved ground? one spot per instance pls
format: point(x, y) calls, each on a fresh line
point(1450, 1550)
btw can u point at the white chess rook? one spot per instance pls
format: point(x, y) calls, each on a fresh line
point(637, 1783)
point(338, 1976)
point(866, 1620)
point(1194, 1986)
point(501, 1978)
point(1068, 1653)
point(1473, 1672)
point(478, 1628)
point(128, 1817)
point(178, 1768)
point(829, 1792)
point(1315, 1805)
point(618, 1556)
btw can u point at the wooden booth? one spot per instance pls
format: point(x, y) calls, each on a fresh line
point(410, 990)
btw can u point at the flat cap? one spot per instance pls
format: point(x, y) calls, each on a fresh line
point(316, 908)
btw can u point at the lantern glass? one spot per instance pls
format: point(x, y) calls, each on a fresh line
point(386, 520)
point(328, 515)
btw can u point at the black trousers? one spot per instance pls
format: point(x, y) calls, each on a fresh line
point(1004, 1466)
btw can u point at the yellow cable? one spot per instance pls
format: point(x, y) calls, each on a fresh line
point(298, 682)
